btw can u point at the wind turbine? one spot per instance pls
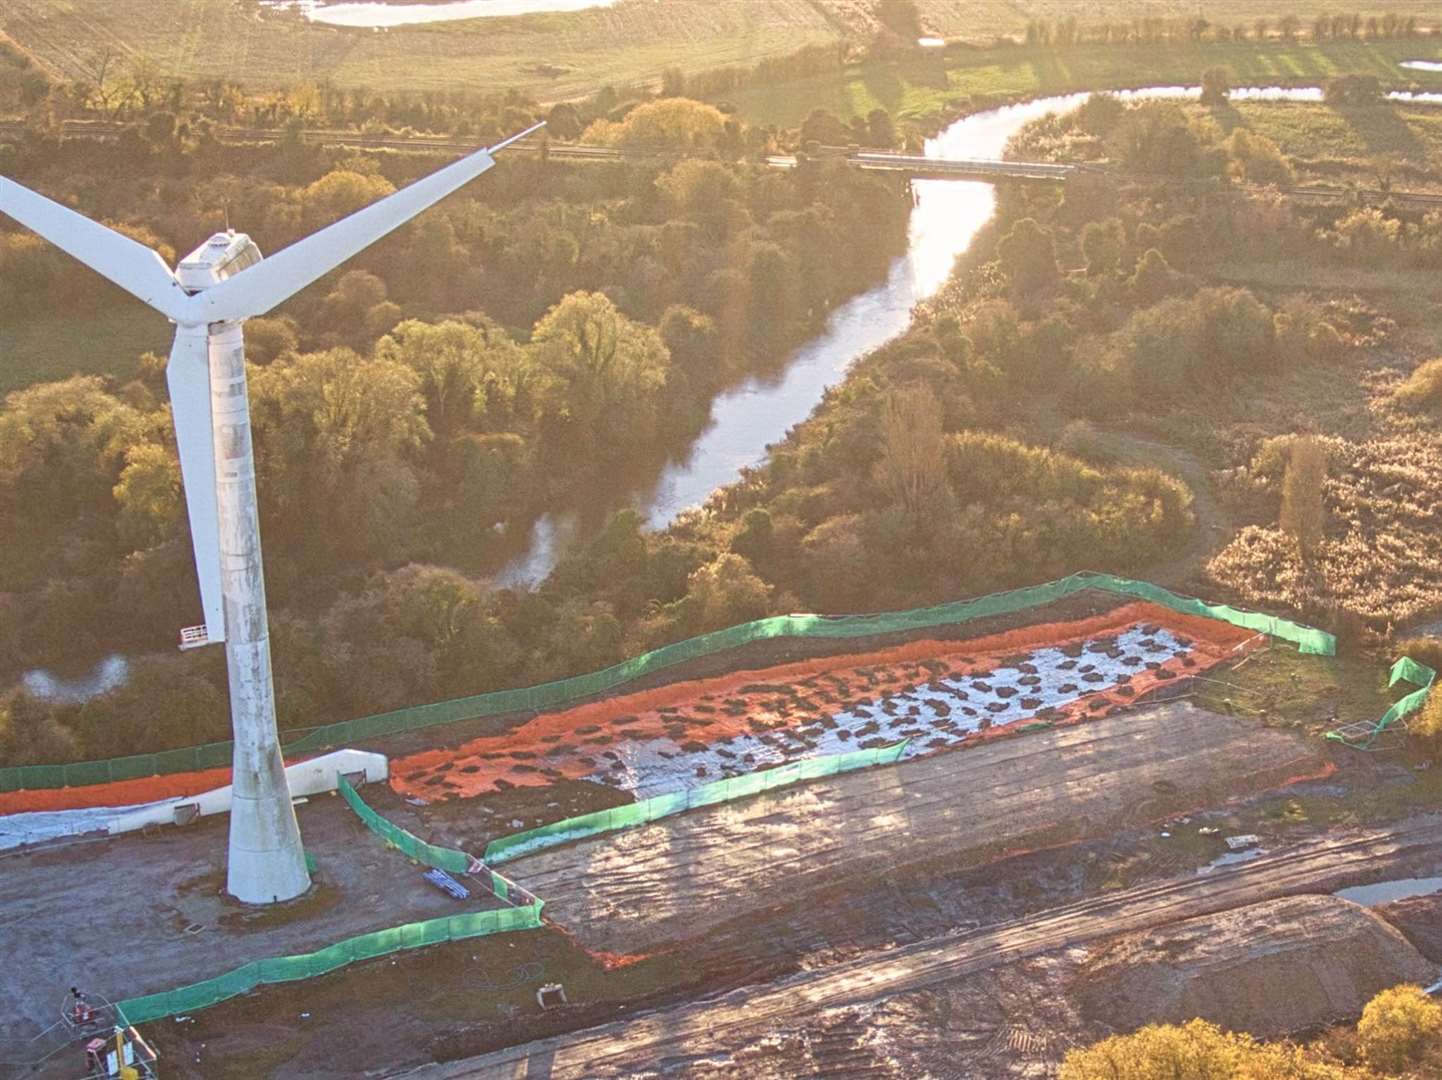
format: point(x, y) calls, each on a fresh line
point(213, 291)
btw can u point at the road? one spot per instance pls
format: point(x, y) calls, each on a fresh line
point(716, 1026)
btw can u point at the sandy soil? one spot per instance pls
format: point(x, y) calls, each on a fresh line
point(675, 879)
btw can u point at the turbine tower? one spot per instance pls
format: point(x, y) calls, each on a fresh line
point(212, 292)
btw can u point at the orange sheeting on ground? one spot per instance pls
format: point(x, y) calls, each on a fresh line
point(145, 789)
point(558, 745)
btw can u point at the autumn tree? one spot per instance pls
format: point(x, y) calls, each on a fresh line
point(1028, 256)
point(1197, 1050)
point(1400, 1030)
point(605, 374)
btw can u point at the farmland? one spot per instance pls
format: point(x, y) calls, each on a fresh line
point(925, 87)
point(561, 56)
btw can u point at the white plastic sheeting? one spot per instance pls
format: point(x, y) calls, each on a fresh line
point(312, 777)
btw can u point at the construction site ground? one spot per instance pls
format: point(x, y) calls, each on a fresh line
point(637, 890)
point(735, 895)
point(1002, 1001)
point(140, 914)
point(452, 1001)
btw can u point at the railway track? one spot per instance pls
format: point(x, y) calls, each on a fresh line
point(725, 1023)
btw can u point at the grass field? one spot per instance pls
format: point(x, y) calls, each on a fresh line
point(48, 348)
point(925, 87)
point(564, 55)
point(1311, 132)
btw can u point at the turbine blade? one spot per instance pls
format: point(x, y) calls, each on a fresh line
point(256, 290)
point(188, 376)
point(136, 268)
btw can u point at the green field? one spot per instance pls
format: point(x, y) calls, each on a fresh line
point(48, 348)
point(926, 87)
point(1307, 132)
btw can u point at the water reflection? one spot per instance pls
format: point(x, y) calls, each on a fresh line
point(109, 674)
point(379, 15)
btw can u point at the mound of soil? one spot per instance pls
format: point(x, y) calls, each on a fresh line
point(1269, 969)
point(1420, 919)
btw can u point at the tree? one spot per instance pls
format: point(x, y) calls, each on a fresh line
point(1028, 256)
point(465, 375)
point(726, 592)
point(336, 438)
point(1216, 86)
point(607, 373)
point(148, 495)
point(913, 455)
point(1304, 512)
point(673, 123)
point(1401, 1029)
point(1196, 1050)
point(1102, 243)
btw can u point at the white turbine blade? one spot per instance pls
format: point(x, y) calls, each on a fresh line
point(131, 265)
point(259, 288)
point(188, 376)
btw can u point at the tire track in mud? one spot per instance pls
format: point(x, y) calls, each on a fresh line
point(681, 878)
point(726, 1023)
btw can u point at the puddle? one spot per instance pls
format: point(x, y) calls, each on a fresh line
point(1422, 65)
point(1385, 892)
point(1232, 858)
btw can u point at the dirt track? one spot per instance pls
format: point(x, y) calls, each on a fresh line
point(671, 1041)
point(676, 879)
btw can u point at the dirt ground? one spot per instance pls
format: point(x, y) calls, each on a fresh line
point(993, 1002)
point(1269, 969)
point(140, 914)
point(633, 891)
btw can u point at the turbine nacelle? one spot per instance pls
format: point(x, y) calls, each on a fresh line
point(222, 256)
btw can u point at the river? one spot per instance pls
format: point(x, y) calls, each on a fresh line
point(745, 420)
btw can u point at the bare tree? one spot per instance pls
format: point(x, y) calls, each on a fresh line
point(913, 457)
point(1304, 512)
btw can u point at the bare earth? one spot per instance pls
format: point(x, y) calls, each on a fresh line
point(981, 1004)
point(112, 916)
point(679, 878)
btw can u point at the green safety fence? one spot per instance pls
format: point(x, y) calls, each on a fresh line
point(565, 691)
point(278, 969)
point(409, 844)
point(678, 802)
point(412, 846)
point(1405, 669)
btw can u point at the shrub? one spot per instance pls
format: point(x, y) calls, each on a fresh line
point(1423, 388)
point(1425, 650)
point(1196, 1050)
point(1400, 1028)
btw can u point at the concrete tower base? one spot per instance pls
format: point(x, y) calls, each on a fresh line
point(267, 861)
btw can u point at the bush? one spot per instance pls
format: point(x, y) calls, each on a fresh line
point(1423, 388)
point(1425, 650)
point(1196, 1050)
point(1400, 1029)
